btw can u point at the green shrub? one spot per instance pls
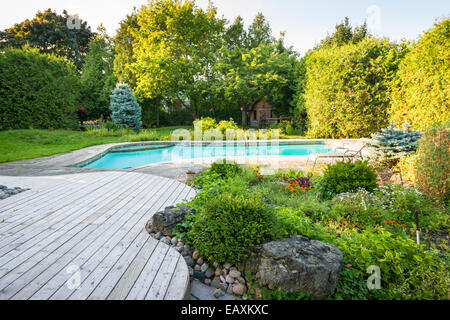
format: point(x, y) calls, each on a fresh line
point(225, 169)
point(397, 257)
point(37, 90)
point(207, 123)
point(420, 93)
point(347, 88)
point(224, 125)
point(229, 226)
point(346, 177)
point(433, 163)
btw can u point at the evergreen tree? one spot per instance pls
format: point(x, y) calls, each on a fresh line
point(344, 34)
point(259, 32)
point(391, 143)
point(125, 110)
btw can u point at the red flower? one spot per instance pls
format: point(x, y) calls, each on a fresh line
point(349, 265)
point(404, 226)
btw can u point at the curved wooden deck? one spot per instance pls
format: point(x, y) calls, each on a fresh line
point(84, 238)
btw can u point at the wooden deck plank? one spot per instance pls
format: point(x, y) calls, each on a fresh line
point(87, 245)
point(127, 281)
point(47, 230)
point(162, 279)
point(101, 230)
point(179, 280)
point(73, 237)
point(113, 261)
point(106, 236)
point(145, 279)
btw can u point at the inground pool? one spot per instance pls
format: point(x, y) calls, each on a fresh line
point(126, 160)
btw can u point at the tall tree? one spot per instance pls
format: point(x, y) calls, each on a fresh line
point(235, 35)
point(175, 48)
point(123, 47)
point(344, 34)
point(50, 33)
point(97, 78)
point(259, 32)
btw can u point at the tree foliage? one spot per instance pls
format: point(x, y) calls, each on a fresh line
point(173, 48)
point(422, 89)
point(37, 90)
point(344, 34)
point(123, 49)
point(49, 32)
point(97, 79)
point(347, 88)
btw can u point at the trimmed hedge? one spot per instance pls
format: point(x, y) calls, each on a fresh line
point(421, 92)
point(37, 90)
point(348, 88)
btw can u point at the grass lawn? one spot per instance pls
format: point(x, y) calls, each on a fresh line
point(26, 144)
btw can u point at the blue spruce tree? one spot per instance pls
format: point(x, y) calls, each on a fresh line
point(389, 145)
point(125, 110)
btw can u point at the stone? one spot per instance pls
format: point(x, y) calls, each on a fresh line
point(239, 289)
point(158, 235)
point(227, 266)
point(200, 261)
point(179, 249)
point(223, 279)
point(166, 221)
point(225, 272)
point(199, 275)
point(218, 293)
point(174, 241)
point(185, 250)
point(223, 286)
point(208, 282)
point(215, 284)
point(297, 264)
point(196, 255)
point(216, 265)
point(189, 261)
point(197, 268)
point(241, 280)
point(2, 187)
point(218, 272)
point(180, 244)
point(209, 272)
point(229, 279)
point(191, 271)
point(235, 273)
point(230, 289)
point(149, 227)
point(204, 267)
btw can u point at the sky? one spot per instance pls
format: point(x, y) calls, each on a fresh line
point(305, 22)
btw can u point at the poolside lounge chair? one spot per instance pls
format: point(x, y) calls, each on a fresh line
point(347, 154)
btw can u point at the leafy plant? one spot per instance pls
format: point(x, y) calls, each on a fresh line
point(420, 91)
point(346, 177)
point(229, 226)
point(433, 163)
point(225, 169)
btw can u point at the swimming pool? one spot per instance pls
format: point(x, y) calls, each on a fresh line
point(168, 153)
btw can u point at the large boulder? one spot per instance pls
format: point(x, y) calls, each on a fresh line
point(166, 221)
point(297, 264)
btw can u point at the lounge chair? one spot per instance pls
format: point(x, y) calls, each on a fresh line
point(347, 154)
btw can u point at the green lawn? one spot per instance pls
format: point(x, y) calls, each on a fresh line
point(27, 144)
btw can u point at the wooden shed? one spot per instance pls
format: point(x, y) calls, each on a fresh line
point(261, 113)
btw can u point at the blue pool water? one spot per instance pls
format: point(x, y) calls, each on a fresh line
point(140, 158)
